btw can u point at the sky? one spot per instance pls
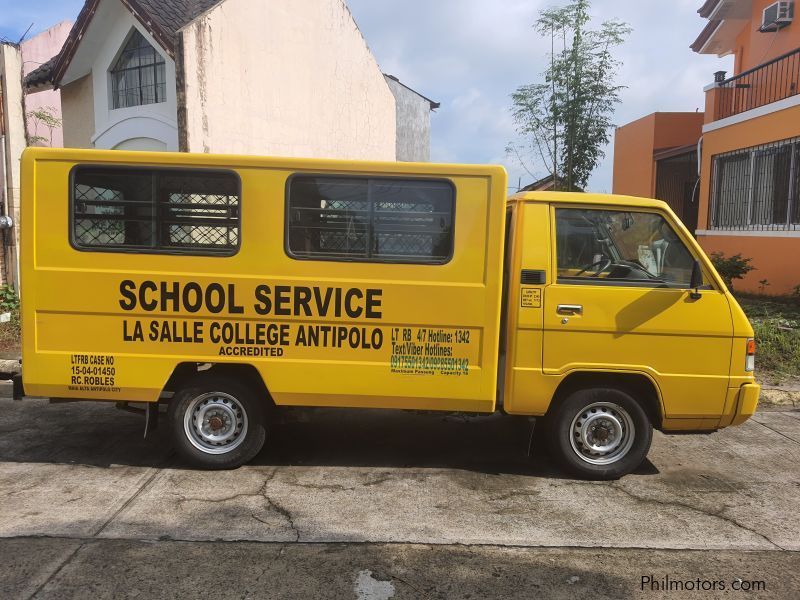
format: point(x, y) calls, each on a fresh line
point(470, 55)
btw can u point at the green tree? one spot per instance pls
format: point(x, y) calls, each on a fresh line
point(43, 118)
point(565, 121)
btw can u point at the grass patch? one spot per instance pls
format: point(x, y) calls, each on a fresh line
point(776, 321)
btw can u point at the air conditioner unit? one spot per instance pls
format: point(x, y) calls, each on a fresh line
point(777, 16)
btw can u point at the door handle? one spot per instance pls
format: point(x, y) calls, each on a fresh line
point(569, 309)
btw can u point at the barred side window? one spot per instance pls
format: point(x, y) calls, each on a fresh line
point(370, 220)
point(155, 210)
point(757, 188)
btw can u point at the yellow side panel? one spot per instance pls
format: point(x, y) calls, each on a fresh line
point(527, 391)
point(418, 336)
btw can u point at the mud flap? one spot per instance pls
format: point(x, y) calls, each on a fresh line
point(18, 389)
point(150, 418)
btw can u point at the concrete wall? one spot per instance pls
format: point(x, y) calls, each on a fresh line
point(754, 48)
point(774, 253)
point(284, 78)
point(635, 143)
point(413, 123)
point(12, 144)
point(35, 51)
point(77, 106)
point(634, 169)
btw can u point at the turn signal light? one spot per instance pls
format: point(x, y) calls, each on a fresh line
point(750, 361)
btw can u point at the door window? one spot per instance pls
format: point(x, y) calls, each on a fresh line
point(619, 248)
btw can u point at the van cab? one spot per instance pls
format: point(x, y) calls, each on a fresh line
point(222, 288)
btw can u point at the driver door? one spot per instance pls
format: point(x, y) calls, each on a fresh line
point(621, 301)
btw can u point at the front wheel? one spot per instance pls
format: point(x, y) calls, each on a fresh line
point(600, 433)
point(217, 422)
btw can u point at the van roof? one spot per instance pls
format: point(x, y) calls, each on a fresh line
point(588, 198)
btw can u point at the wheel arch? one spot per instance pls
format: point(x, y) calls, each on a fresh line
point(184, 372)
point(640, 386)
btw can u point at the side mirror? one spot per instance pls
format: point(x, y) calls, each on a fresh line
point(697, 281)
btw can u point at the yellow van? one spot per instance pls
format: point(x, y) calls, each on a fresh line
point(225, 286)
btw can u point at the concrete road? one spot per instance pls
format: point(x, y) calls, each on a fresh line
point(370, 504)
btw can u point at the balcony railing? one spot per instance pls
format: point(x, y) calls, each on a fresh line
point(775, 80)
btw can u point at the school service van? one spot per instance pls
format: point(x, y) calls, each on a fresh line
point(226, 286)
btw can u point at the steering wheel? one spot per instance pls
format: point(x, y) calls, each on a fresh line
point(599, 267)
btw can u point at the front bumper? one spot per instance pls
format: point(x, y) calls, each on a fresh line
point(746, 403)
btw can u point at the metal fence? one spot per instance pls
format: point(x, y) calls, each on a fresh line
point(757, 188)
point(775, 80)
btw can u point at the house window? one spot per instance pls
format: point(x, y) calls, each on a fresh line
point(155, 210)
point(139, 75)
point(370, 220)
point(757, 188)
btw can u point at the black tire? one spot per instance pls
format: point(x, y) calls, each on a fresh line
point(616, 417)
point(218, 399)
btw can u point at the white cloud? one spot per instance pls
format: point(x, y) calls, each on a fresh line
point(471, 54)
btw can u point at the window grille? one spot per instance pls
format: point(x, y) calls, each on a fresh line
point(139, 75)
point(757, 188)
point(375, 220)
point(156, 210)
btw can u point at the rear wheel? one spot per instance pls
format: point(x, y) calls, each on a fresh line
point(217, 422)
point(600, 433)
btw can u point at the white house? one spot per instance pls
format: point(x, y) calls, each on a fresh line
point(269, 77)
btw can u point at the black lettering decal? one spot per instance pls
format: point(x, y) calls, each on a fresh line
point(263, 304)
point(193, 297)
point(374, 302)
point(148, 305)
point(353, 313)
point(322, 304)
point(215, 298)
point(338, 302)
point(136, 336)
point(126, 289)
point(301, 336)
point(302, 298)
point(233, 308)
point(172, 295)
point(282, 301)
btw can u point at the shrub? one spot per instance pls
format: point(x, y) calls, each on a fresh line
point(731, 267)
point(9, 301)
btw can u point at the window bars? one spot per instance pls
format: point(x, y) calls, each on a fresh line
point(372, 220)
point(139, 75)
point(757, 188)
point(156, 210)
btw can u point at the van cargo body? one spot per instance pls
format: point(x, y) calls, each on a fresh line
point(227, 286)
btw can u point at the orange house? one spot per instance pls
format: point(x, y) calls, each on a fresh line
point(747, 200)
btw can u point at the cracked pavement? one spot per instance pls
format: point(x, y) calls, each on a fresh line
point(342, 500)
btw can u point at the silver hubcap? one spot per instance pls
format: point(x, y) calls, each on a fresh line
point(215, 423)
point(602, 433)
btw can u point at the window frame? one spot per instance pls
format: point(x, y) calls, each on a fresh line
point(625, 283)
point(226, 252)
point(113, 71)
point(366, 260)
point(751, 154)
